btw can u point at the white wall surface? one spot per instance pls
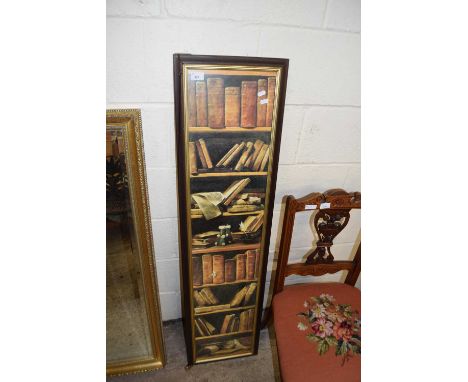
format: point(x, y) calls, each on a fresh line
point(320, 146)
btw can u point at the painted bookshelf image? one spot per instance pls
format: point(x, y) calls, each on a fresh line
point(229, 128)
point(228, 185)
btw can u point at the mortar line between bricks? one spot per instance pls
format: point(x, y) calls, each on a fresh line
point(327, 164)
point(244, 23)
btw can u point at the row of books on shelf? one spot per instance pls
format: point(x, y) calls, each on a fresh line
point(232, 323)
point(215, 269)
point(250, 156)
point(207, 302)
point(212, 104)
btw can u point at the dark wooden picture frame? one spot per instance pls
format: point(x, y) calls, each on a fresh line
point(207, 120)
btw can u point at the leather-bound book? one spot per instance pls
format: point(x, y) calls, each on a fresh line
point(258, 161)
point(201, 155)
point(239, 297)
point(226, 322)
point(193, 158)
point(215, 102)
point(250, 319)
point(257, 263)
point(249, 294)
point(200, 329)
point(229, 270)
point(250, 261)
point(240, 266)
point(192, 104)
point(249, 104)
point(210, 296)
point(209, 326)
point(262, 101)
point(206, 154)
point(209, 309)
point(218, 269)
point(198, 299)
point(265, 159)
point(243, 321)
point(271, 100)
point(207, 263)
point(202, 112)
point(241, 185)
point(197, 271)
point(232, 106)
point(244, 156)
point(227, 155)
point(256, 150)
point(234, 155)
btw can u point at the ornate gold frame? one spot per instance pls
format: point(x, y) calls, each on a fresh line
point(130, 119)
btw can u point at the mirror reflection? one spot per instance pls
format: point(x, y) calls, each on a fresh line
point(128, 336)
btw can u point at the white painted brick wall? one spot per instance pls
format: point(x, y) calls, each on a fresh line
point(320, 146)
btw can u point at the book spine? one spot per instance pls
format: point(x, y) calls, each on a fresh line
point(215, 102)
point(226, 322)
point(236, 152)
point(257, 264)
point(202, 114)
point(206, 154)
point(244, 156)
point(240, 266)
point(248, 103)
point(197, 271)
point(232, 106)
point(262, 101)
point(250, 265)
point(265, 159)
point(271, 100)
point(239, 188)
point(207, 269)
point(192, 104)
point(218, 269)
point(201, 155)
point(193, 158)
point(229, 270)
point(227, 155)
point(259, 159)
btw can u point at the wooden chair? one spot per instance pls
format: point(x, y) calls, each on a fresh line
point(318, 338)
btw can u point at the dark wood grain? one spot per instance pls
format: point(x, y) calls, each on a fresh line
point(328, 223)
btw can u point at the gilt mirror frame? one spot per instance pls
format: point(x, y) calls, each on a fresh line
point(130, 121)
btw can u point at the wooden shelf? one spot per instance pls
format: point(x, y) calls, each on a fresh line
point(226, 248)
point(231, 214)
point(229, 283)
point(225, 310)
point(224, 335)
point(222, 174)
point(227, 130)
point(224, 356)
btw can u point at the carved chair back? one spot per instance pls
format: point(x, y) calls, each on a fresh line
point(333, 215)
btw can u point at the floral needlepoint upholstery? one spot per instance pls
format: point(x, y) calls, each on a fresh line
point(320, 323)
point(331, 324)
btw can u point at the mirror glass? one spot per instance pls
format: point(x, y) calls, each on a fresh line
point(128, 336)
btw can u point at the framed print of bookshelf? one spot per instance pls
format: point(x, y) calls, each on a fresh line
point(228, 119)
